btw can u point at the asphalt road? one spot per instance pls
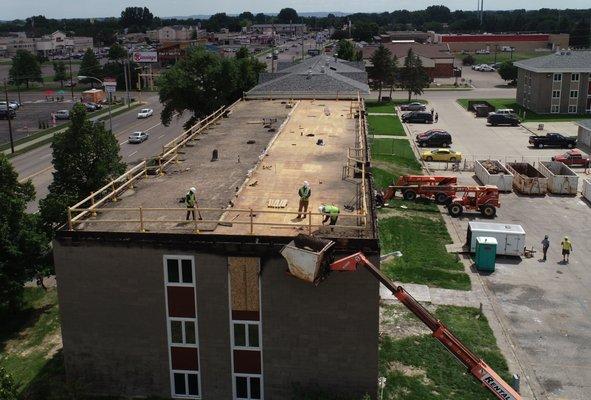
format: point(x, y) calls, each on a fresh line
point(36, 164)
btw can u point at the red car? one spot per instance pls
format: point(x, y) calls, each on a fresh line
point(573, 158)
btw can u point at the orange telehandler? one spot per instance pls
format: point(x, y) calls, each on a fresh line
point(309, 259)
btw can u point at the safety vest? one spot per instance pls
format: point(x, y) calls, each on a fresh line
point(333, 211)
point(566, 245)
point(305, 192)
point(190, 199)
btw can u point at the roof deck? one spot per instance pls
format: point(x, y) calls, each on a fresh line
point(266, 150)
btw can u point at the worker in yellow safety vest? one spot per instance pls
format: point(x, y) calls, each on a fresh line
point(567, 247)
point(305, 192)
point(331, 212)
point(191, 200)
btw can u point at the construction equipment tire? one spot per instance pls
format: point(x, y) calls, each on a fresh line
point(488, 211)
point(455, 209)
point(409, 195)
point(441, 198)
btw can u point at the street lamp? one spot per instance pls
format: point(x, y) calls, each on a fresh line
point(8, 109)
point(83, 77)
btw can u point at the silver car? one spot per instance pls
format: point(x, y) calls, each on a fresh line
point(138, 137)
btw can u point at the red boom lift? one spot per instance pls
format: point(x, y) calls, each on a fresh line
point(307, 259)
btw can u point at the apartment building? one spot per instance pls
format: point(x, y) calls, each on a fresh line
point(556, 84)
point(155, 302)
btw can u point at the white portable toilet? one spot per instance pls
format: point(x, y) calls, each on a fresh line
point(510, 238)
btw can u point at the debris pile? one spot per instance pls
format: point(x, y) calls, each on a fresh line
point(492, 167)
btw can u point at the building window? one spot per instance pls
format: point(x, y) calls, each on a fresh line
point(572, 109)
point(185, 384)
point(179, 270)
point(574, 94)
point(555, 109)
point(574, 77)
point(245, 334)
point(248, 387)
point(556, 94)
point(183, 331)
point(557, 78)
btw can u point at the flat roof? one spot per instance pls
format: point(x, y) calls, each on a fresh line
point(260, 166)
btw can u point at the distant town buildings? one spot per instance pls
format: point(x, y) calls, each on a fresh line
point(280, 29)
point(174, 33)
point(496, 42)
point(56, 43)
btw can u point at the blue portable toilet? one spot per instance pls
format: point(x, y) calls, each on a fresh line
point(486, 251)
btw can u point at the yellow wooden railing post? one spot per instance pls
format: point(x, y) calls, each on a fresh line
point(70, 218)
point(142, 220)
point(309, 222)
point(251, 222)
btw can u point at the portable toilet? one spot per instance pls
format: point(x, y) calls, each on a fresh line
point(486, 251)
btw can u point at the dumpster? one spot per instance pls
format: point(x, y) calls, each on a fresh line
point(561, 179)
point(492, 172)
point(486, 251)
point(527, 179)
point(587, 189)
point(305, 257)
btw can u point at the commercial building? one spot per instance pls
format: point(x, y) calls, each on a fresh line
point(279, 29)
point(56, 43)
point(437, 60)
point(154, 304)
point(319, 77)
point(555, 84)
point(496, 42)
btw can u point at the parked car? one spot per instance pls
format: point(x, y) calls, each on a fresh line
point(6, 113)
point(503, 119)
point(138, 137)
point(504, 111)
point(483, 51)
point(418, 116)
point(553, 140)
point(441, 155)
point(62, 114)
point(145, 113)
point(573, 158)
point(416, 106)
point(70, 84)
point(15, 105)
point(486, 68)
point(434, 138)
point(90, 106)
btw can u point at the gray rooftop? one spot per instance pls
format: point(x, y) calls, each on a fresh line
point(562, 61)
point(585, 123)
point(320, 76)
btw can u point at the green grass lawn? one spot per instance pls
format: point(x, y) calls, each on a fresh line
point(390, 159)
point(503, 56)
point(385, 125)
point(420, 368)
point(31, 338)
point(375, 106)
point(530, 116)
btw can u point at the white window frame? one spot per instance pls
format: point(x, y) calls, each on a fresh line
point(575, 107)
point(246, 323)
point(556, 92)
point(575, 92)
point(183, 332)
point(248, 376)
point(185, 372)
point(554, 107)
point(179, 258)
point(572, 77)
point(557, 75)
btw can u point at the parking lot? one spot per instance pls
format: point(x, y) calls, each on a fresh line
point(542, 308)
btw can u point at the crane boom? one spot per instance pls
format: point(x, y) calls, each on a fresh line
point(476, 366)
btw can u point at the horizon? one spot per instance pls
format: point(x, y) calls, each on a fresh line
point(186, 9)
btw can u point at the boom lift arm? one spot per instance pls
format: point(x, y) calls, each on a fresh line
point(476, 366)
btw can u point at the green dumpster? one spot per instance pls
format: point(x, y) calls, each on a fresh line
point(486, 251)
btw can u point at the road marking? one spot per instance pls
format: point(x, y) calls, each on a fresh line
point(132, 154)
point(161, 136)
point(36, 173)
point(125, 141)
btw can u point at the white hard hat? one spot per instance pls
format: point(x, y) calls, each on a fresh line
point(193, 190)
point(321, 208)
point(306, 183)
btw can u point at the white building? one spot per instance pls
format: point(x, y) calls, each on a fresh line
point(56, 43)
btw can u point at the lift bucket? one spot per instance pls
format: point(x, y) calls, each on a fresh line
point(305, 256)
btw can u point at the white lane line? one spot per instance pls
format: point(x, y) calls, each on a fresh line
point(132, 154)
point(125, 141)
point(152, 127)
point(161, 136)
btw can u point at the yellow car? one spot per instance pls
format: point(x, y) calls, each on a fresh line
point(441, 155)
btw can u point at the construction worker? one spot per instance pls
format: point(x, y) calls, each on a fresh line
point(567, 247)
point(330, 212)
point(190, 200)
point(545, 246)
point(305, 192)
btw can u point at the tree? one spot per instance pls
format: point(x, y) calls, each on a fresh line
point(91, 67)
point(117, 52)
point(116, 69)
point(288, 16)
point(580, 36)
point(25, 68)
point(393, 74)
point(136, 18)
point(85, 158)
point(508, 72)
point(346, 50)
point(8, 389)
point(59, 69)
point(381, 67)
point(246, 15)
point(23, 246)
point(468, 60)
point(413, 77)
point(202, 82)
point(365, 31)
point(437, 14)
point(242, 53)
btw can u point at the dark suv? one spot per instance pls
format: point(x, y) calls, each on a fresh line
point(503, 119)
point(434, 138)
point(418, 116)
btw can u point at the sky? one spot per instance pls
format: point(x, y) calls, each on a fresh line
point(20, 9)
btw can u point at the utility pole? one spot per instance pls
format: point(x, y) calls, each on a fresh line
point(126, 82)
point(8, 117)
point(71, 82)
